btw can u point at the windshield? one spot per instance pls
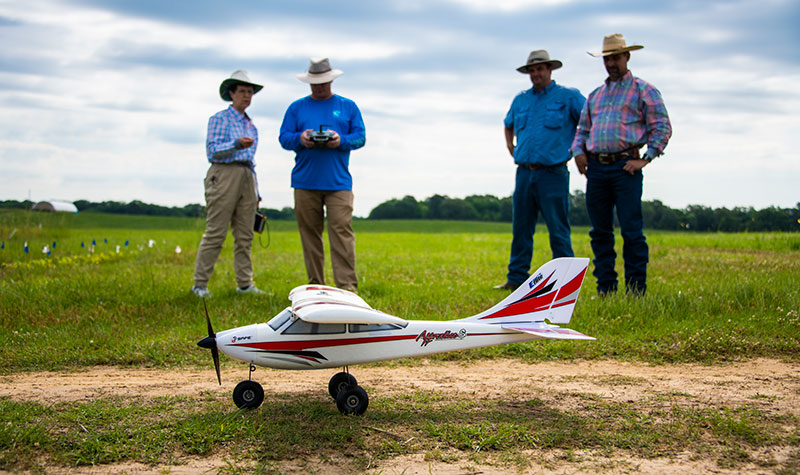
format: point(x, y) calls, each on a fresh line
point(279, 319)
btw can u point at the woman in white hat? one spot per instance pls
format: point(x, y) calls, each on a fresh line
point(230, 186)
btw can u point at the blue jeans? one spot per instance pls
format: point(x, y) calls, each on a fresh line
point(609, 187)
point(547, 191)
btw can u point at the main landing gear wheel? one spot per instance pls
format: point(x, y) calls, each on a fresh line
point(248, 394)
point(339, 382)
point(352, 400)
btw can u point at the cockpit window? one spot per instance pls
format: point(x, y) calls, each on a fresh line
point(279, 319)
point(374, 327)
point(302, 327)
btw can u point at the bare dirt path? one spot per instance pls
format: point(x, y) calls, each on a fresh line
point(770, 385)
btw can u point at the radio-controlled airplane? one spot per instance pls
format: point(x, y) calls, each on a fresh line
point(326, 327)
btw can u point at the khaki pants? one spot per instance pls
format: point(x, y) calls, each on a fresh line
point(231, 199)
point(308, 208)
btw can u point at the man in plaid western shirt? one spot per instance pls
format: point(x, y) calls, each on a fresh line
point(619, 117)
point(231, 188)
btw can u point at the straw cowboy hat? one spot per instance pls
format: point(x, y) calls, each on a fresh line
point(538, 57)
point(614, 44)
point(239, 76)
point(319, 72)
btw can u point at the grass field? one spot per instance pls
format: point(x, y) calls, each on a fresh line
point(125, 301)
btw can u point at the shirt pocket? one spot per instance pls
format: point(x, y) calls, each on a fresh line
point(630, 115)
point(554, 115)
point(520, 120)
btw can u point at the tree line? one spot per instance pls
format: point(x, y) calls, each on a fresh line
point(657, 215)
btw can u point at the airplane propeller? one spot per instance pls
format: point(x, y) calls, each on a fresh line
point(210, 342)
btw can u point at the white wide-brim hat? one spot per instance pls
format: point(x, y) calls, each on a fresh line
point(614, 44)
point(319, 72)
point(240, 76)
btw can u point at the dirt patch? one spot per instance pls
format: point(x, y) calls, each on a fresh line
point(769, 385)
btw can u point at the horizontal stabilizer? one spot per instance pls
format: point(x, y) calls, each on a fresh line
point(550, 331)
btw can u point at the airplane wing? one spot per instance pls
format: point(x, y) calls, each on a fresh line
point(323, 304)
point(550, 331)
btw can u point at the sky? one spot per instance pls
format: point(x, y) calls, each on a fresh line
point(109, 99)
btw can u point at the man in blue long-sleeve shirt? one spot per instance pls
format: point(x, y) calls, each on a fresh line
point(543, 119)
point(231, 188)
point(322, 129)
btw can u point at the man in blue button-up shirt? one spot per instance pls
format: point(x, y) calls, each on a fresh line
point(543, 119)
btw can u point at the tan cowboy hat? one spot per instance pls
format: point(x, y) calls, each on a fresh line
point(239, 76)
point(538, 57)
point(319, 72)
point(614, 44)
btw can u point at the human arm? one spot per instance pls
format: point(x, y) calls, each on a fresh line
point(355, 137)
point(509, 133)
point(659, 129)
point(290, 136)
point(219, 140)
point(579, 142)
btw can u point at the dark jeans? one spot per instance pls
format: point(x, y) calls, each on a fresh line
point(609, 187)
point(545, 190)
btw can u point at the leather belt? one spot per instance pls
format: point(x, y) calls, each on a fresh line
point(238, 163)
point(537, 166)
point(609, 158)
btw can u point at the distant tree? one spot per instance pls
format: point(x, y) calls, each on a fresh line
point(455, 209)
point(659, 216)
point(406, 208)
point(14, 204)
point(578, 216)
point(486, 206)
point(284, 214)
point(433, 204)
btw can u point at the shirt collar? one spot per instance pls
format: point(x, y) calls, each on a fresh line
point(237, 114)
point(625, 79)
point(546, 89)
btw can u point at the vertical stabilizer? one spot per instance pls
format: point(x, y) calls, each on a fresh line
point(550, 293)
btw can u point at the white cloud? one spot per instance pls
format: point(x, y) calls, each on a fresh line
point(103, 105)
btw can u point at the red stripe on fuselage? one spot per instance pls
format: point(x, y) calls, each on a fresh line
point(297, 345)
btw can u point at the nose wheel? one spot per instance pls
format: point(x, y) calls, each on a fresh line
point(351, 399)
point(248, 394)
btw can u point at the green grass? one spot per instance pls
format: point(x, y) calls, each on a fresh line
point(298, 427)
point(711, 298)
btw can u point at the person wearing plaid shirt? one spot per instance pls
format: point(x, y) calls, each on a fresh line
point(230, 185)
point(619, 118)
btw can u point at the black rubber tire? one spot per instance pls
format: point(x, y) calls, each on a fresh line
point(352, 401)
point(248, 394)
point(340, 381)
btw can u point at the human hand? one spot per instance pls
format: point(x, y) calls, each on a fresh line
point(334, 141)
point(305, 139)
point(633, 166)
point(245, 142)
point(581, 162)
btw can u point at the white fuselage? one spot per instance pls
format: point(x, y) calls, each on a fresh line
point(262, 345)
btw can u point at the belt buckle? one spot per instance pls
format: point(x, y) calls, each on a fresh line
point(605, 158)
